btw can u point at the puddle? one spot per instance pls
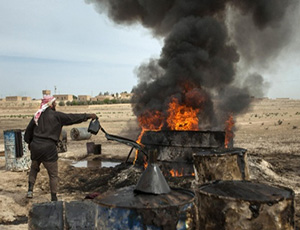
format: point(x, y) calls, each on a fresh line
point(95, 164)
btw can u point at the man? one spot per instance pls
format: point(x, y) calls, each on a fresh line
point(42, 134)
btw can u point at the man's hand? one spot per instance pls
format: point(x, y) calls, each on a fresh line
point(93, 116)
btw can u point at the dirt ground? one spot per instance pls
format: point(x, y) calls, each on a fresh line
point(270, 131)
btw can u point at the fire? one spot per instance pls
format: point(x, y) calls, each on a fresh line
point(182, 117)
point(148, 121)
point(179, 116)
point(151, 120)
point(175, 173)
point(228, 130)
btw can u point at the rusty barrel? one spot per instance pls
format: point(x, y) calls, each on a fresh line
point(62, 142)
point(124, 209)
point(175, 148)
point(17, 155)
point(235, 205)
point(221, 164)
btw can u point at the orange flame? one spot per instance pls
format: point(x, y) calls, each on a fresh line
point(179, 117)
point(151, 120)
point(148, 121)
point(182, 117)
point(175, 173)
point(228, 130)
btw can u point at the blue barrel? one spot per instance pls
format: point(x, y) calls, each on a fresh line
point(17, 155)
point(124, 209)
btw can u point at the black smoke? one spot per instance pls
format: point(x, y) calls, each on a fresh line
point(203, 42)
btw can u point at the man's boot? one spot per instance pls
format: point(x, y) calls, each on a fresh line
point(30, 190)
point(53, 197)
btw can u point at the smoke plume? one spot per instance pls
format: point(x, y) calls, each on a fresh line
point(203, 42)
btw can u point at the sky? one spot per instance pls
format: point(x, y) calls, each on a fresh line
point(69, 48)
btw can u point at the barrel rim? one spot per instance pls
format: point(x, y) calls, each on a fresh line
point(198, 189)
point(186, 191)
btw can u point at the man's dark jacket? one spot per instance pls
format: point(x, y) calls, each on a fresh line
point(42, 139)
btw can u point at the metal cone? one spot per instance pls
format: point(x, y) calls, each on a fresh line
point(152, 180)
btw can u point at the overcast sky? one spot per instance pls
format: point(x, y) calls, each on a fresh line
point(68, 45)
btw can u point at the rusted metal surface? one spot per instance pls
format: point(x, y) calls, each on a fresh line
point(221, 164)
point(93, 148)
point(62, 142)
point(13, 161)
point(90, 147)
point(124, 209)
point(179, 146)
point(235, 205)
point(203, 139)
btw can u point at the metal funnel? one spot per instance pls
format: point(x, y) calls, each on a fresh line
point(152, 180)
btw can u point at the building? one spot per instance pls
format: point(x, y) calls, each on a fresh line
point(126, 96)
point(64, 97)
point(26, 98)
point(13, 98)
point(84, 97)
point(103, 97)
point(46, 92)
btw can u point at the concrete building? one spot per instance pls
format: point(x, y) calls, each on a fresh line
point(103, 97)
point(126, 96)
point(26, 98)
point(13, 98)
point(63, 97)
point(84, 97)
point(46, 92)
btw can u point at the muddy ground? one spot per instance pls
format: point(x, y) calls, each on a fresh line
point(270, 132)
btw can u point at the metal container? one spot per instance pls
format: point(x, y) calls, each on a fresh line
point(221, 164)
point(97, 149)
point(62, 142)
point(90, 147)
point(125, 209)
point(175, 148)
point(93, 148)
point(235, 205)
point(17, 155)
point(80, 134)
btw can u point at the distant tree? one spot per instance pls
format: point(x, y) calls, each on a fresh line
point(106, 93)
point(74, 97)
point(74, 103)
point(61, 103)
point(100, 94)
point(106, 101)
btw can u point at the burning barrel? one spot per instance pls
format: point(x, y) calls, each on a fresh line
point(221, 164)
point(234, 205)
point(175, 148)
point(125, 209)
